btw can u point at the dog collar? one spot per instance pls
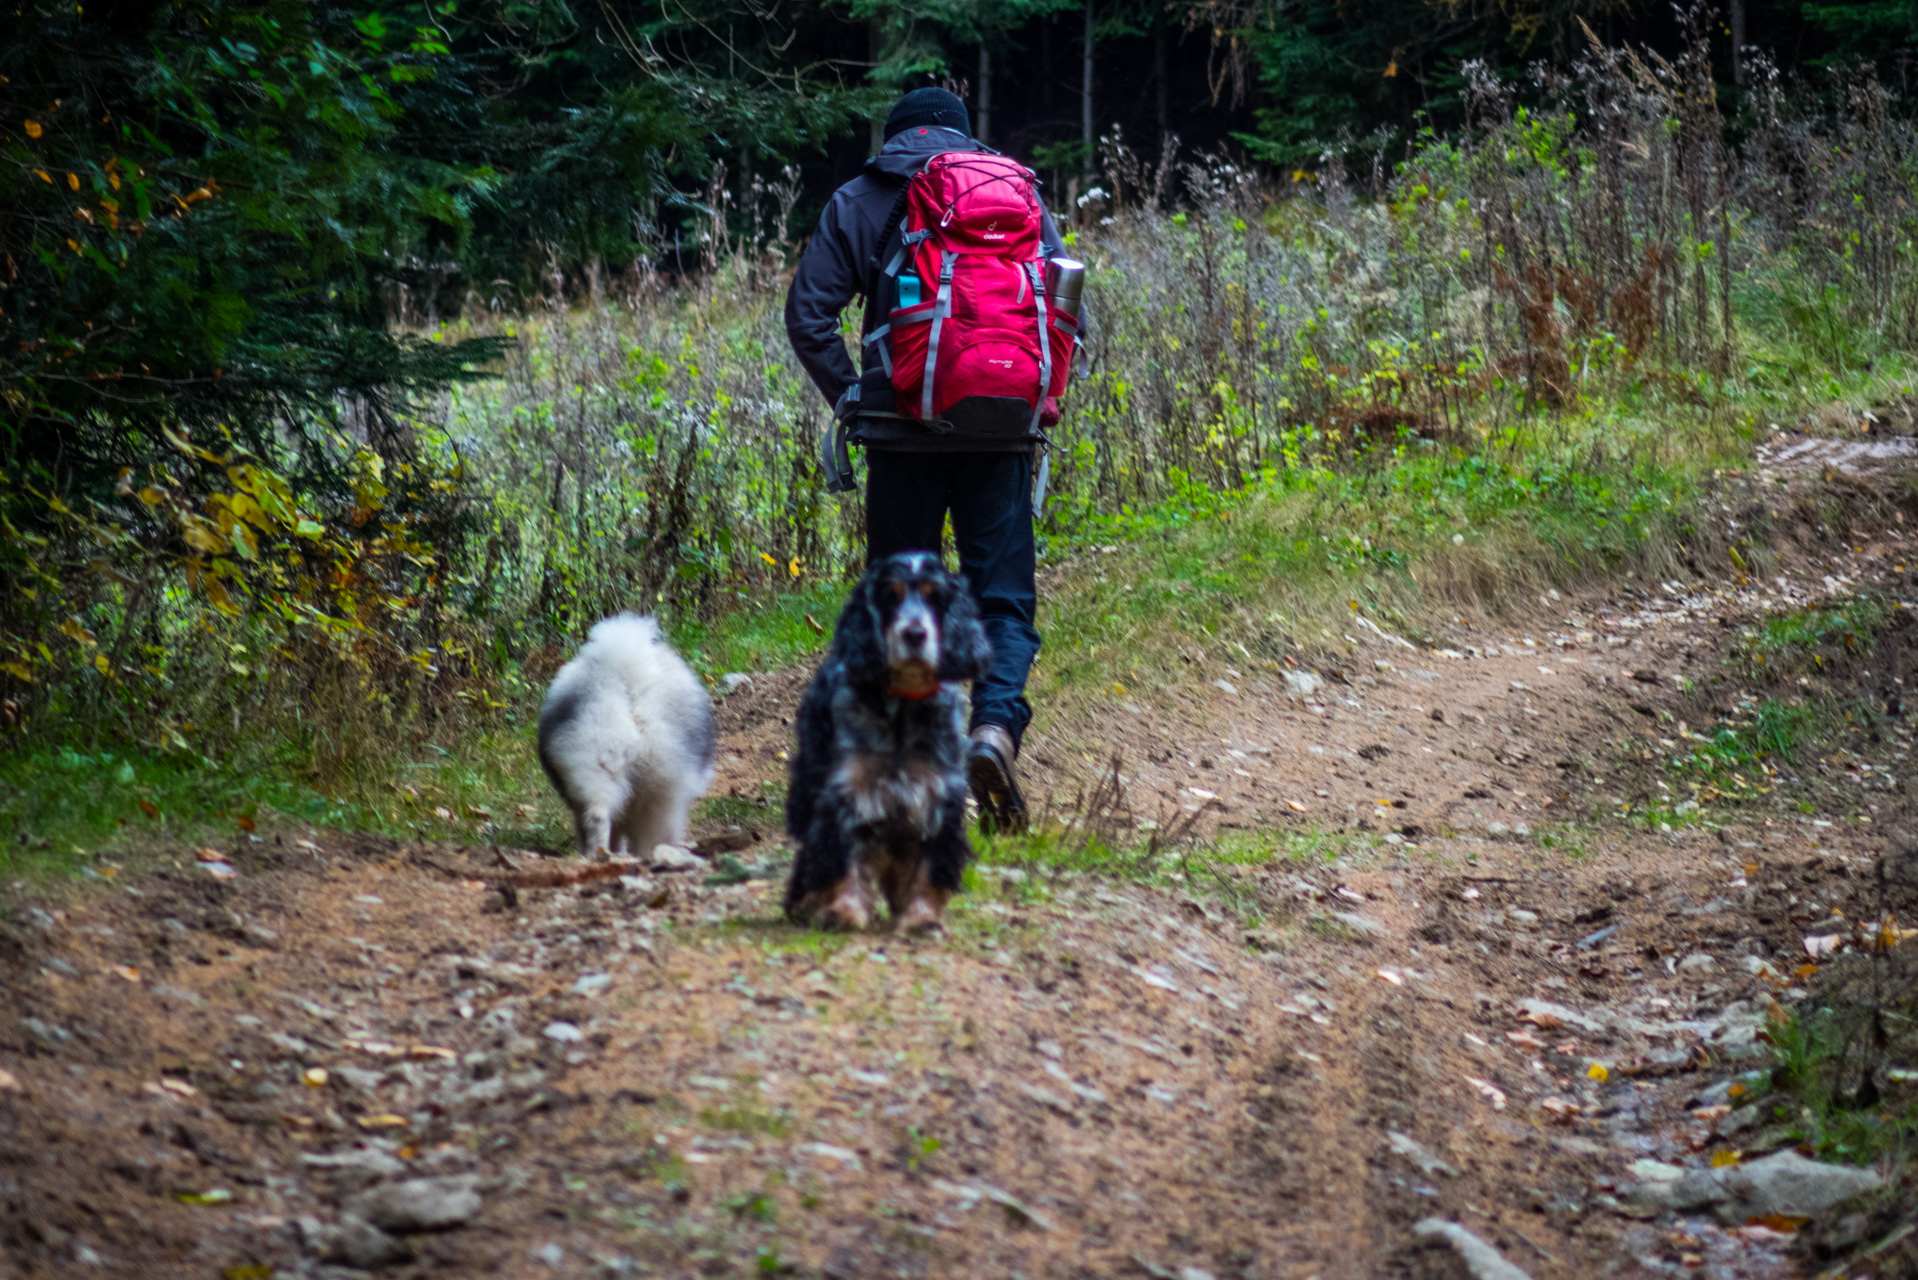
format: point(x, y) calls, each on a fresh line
point(913, 697)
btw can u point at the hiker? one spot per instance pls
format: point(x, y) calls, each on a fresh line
point(928, 454)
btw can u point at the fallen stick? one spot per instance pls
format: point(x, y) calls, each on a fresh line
point(565, 874)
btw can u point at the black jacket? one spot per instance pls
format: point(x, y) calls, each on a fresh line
point(841, 262)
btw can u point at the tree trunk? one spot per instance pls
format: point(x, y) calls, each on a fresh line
point(984, 130)
point(875, 48)
point(1738, 41)
point(1159, 92)
point(1046, 69)
point(1085, 91)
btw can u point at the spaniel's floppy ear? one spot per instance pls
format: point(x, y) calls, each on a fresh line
point(856, 639)
point(964, 651)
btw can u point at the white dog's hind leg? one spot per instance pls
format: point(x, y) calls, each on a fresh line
point(646, 824)
point(676, 807)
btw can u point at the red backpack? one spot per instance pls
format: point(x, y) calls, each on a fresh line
point(982, 332)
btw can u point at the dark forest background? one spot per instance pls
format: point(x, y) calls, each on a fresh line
point(209, 206)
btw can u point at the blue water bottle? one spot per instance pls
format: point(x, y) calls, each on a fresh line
point(908, 290)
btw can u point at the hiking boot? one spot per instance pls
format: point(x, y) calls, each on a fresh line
point(994, 785)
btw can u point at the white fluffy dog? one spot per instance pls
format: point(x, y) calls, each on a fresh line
point(626, 734)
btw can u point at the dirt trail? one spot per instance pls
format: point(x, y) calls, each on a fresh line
point(1088, 1076)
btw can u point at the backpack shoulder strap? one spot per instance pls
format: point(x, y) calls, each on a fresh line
point(888, 236)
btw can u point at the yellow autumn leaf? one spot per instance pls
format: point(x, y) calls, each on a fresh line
point(44, 176)
point(222, 598)
point(769, 560)
point(1598, 1072)
point(795, 567)
point(33, 129)
point(201, 535)
point(152, 497)
point(18, 670)
point(73, 180)
point(250, 511)
point(101, 664)
point(1721, 1159)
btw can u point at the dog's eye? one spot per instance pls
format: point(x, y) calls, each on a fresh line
point(899, 590)
point(925, 591)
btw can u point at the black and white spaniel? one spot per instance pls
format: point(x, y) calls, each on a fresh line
point(878, 789)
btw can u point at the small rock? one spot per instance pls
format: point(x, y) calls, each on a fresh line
point(423, 1204)
point(1520, 916)
point(364, 1079)
point(1787, 1183)
point(1421, 1158)
point(1227, 686)
point(358, 1243)
point(369, 1161)
point(847, 1159)
point(551, 1254)
point(1303, 684)
point(1759, 967)
point(1734, 1032)
point(46, 1032)
point(563, 1032)
point(1494, 830)
point(1720, 1094)
point(1699, 963)
point(734, 681)
point(1365, 926)
point(592, 984)
point(1781, 1183)
point(1481, 1260)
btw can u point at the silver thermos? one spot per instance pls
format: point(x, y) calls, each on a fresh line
point(1065, 284)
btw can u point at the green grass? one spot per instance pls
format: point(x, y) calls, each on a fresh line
point(1825, 1069)
point(761, 633)
point(1405, 537)
point(1811, 639)
point(1024, 869)
point(61, 806)
point(745, 1118)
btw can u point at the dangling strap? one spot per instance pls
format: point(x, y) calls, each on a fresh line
point(834, 460)
point(885, 352)
point(939, 313)
point(1039, 489)
point(1045, 345)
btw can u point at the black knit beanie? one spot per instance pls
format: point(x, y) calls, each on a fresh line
point(928, 107)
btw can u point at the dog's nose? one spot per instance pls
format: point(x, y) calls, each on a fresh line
point(914, 634)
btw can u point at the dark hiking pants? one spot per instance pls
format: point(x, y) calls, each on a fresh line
point(990, 498)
